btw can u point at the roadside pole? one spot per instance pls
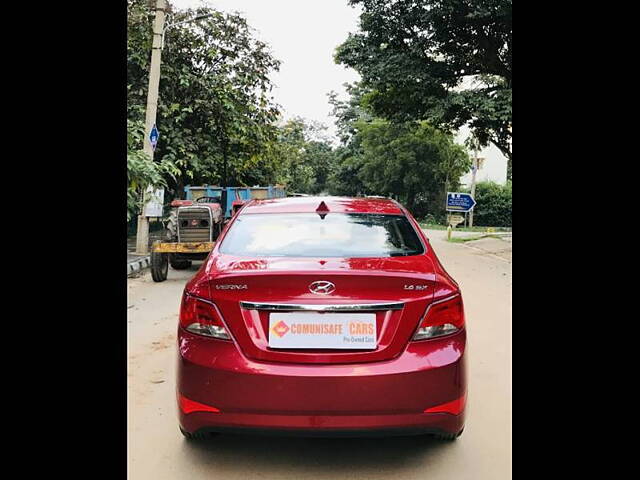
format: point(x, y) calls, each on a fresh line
point(142, 235)
point(473, 184)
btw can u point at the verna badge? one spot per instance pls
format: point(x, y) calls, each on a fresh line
point(322, 287)
point(229, 286)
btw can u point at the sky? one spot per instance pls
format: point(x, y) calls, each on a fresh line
point(303, 35)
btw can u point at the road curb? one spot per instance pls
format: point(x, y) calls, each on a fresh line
point(138, 265)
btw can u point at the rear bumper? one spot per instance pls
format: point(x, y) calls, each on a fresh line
point(322, 426)
point(370, 398)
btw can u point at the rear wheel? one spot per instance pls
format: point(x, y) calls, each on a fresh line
point(178, 263)
point(159, 265)
point(198, 436)
point(447, 437)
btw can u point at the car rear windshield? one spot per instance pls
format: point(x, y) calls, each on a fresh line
point(310, 235)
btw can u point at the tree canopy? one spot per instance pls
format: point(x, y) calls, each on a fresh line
point(214, 94)
point(215, 101)
point(444, 61)
point(410, 160)
point(304, 156)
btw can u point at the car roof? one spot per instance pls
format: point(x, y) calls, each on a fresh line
point(384, 206)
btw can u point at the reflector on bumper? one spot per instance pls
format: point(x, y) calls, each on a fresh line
point(189, 406)
point(455, 407)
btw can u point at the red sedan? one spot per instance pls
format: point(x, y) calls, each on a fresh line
point(322, 316)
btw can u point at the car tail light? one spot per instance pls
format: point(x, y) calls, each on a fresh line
point(454, 407)
point(189, 406)
point(202, 318)
point(441, 318)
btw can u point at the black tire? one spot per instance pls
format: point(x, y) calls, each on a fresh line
point(198, 436)
point(447, 437)
point(178, 263)
point(159, 265)
point(172, 226)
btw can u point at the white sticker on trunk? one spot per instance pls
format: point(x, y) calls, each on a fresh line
point(354, 331)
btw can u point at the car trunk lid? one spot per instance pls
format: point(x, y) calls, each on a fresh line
point(396, 290)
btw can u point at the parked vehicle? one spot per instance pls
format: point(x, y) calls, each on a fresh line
point(195, 223)
point(322, 316)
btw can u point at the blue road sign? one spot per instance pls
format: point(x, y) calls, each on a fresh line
point(460, 202)
point(153, 137)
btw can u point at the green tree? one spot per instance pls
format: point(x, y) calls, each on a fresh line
point(301, 156)
point(318, 153)
point(408, 159)
point(287, 151)
point(214, 99)
point(414, 55)
point(345, 177)
point(320, 156)
point(349, 112)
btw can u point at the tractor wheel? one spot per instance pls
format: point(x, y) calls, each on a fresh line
point(178, 263)
point(172, 226)
point(159, 265)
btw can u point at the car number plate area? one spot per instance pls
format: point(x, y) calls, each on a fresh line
point(353, 331)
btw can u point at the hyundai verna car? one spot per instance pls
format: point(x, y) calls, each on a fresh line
point(322, 315)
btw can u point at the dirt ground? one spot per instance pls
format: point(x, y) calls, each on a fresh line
point(157, 450)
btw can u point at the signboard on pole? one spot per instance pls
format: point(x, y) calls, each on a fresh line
point(454, 220)
point(154, 199)
point(153, 137)
point(460, 202)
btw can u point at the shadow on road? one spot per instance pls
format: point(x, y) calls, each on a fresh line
point(182, 276)
point(322, 455)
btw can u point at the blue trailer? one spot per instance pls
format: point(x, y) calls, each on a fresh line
point(233, 194)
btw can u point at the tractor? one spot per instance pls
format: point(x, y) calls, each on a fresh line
point(194, 224)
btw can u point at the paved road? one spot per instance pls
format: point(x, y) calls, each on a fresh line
point(157, 450)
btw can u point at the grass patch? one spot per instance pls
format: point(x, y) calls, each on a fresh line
point(471, 239)
point(433, 226)
point(465, 239)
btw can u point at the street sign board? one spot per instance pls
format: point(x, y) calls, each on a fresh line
point(154, 199)
point(455, 220)
point(460, 202)
point(153, 137)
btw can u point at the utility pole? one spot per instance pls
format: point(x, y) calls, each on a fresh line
point(159, 30)
point(142, 235)
point(474, 169)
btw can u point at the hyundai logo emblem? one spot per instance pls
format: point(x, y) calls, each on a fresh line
point(322, 287)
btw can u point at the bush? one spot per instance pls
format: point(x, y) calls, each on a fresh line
point(430, 207)
point(493, 207)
